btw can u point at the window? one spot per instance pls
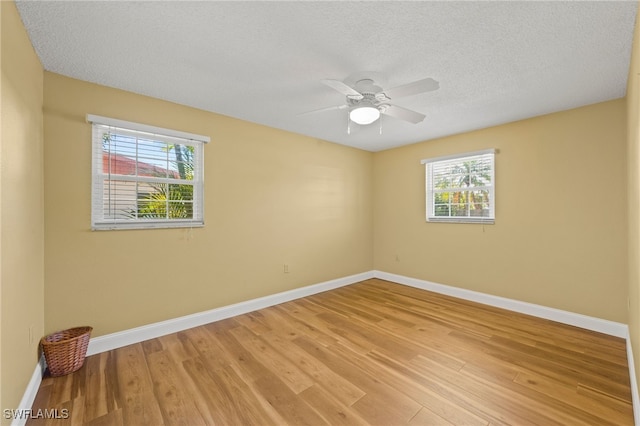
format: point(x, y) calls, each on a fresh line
point(461, 188)
point(145, 177)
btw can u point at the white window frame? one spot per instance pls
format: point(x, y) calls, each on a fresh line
point(431, 191)
point(157, 134)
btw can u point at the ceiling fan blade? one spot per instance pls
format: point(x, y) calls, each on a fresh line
point(343, 88)
point(331, 108)
point(403, 114)
point(420, 86)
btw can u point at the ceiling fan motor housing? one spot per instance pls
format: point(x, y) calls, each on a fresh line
point(368, 99)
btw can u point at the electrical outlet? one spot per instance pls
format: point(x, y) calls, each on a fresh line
point(285, 268)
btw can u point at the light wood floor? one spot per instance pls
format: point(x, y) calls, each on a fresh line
point(371, 353)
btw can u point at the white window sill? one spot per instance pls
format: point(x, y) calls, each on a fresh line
point(483, 221)
point(153, 225)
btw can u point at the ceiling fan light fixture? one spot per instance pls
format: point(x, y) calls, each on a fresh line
point(364, 115)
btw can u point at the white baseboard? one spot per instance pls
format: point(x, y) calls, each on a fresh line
point(151, 331)
point(583, 321)
point(30, 394)
point(635, 397)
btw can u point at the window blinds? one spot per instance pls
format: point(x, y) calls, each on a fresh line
point(145, 177)
point(461, 188)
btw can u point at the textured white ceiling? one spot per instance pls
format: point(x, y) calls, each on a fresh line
point(263, 61)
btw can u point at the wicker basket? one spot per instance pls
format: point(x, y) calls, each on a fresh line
point(65, 350)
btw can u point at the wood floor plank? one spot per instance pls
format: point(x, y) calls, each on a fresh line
point(380, 402)
point(486, 366)
point(543, 363)
point(179, 345)
point(76, 412)
point(112, 418)
point(273, 360)
point(43, 398)
point(304, 323)
point(497, 406)
point(255, 322)
point(173, 394)
point(279, 322)
point(95, 391)
point(449, 402)
point(208, 347)
point(135, 385)
point(553, 409)
point(61, 390)
point(331, 409)
point(607, 400)
point(568, 368)
point(293, 409)
point(343, 390)
point(337, 303)
point(249, 368)
point(374, 352)
point(224, 391)
point(369, 337)
point(425, 417)
point(151, 346)
point(314, 320)
point(616, 413)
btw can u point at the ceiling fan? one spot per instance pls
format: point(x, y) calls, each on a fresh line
point(366, 101)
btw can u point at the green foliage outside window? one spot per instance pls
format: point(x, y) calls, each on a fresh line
point(463, 199)
point(170, 201)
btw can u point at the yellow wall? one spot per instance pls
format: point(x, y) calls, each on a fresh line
point(559, 239)
point(21, 200)
point(271, 197)
point(633, 194)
